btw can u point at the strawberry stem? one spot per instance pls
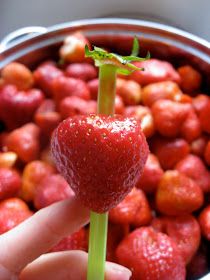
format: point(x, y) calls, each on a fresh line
point(97, 246)
point(99, 222)
point(107, 85)
point(109, 65)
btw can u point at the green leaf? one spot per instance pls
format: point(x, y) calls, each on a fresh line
point(122, 63)
point(135, 48)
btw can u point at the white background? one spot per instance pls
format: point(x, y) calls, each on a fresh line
point(191, 15)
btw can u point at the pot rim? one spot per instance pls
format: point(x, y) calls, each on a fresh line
point(82, 23)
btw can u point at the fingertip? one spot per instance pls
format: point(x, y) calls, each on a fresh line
point(117, 272)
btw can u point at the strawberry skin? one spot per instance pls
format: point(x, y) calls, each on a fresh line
point(151, 256)
point(101, 157)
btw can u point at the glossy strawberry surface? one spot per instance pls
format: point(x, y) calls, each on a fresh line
point(101, 157)
point(151, 256)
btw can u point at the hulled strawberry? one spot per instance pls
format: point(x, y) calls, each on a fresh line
point(151, 256)
point(101, 157)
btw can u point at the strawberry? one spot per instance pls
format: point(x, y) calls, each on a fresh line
point(169, 116)
point(89, 148)
point(75, 241)
point(190, 79)
point(46, 117)
point(151, 175)
point(155, 71)
point(204, 118)
point(199, 103)
point(161, 90)
point(207, 153)
point(44, 76)
point(83, 71)
point(116, 232)
point(52, 188)
point(24, 141)
point(184, 230)
point(12, 213)
point(169, 151)
point(119, 105)
point(73, 105)
point(65, 87)
point(191, 128)
point(130, 91)
point(144, 115)
point(73, 49)
point(134, 210)
point(7, 159)
point(193, 167)
point(10, 183)
point(33, 173)
point(151, 255)
point(18, 107)
point(14, 203)
point(17, 74)
point(204, 220)
point(177, 194)
point(199, 145)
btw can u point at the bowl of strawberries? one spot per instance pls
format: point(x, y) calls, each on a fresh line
point(154, 149)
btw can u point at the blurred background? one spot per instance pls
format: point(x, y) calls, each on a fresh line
point(190, 15)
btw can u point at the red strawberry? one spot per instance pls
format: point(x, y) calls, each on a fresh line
point(46, 117)
point(14, 203)
point(17, 74)
point(144, 115)
point(161, 90)
point(83, 71)
point(207, 153)
point(169, 117)
point(75, 241)
point(177, 194)
point(204, 220)
point(200, 102)
point(190, 79)
point(116, 233)
point(24, 141)
point(191, 128)
point(12, 215)
point(155, 71)
point(44, 76)
point(73, 105)
point(184, 230)
point(193, 167)
point(10, 183)
point(101, 157)
point(65, 87)
point(151, 175)
point(51, 189)
point(134, 210)
point(18, 107)
point(199, 145)
point(169, 151)
point(151, 255)
point(204, 118)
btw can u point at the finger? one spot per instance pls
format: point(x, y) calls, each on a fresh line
point(71, 265)
point(40, 233)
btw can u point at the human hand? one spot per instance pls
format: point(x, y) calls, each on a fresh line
point(23, 248)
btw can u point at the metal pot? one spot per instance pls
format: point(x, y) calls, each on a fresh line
point(31, 45)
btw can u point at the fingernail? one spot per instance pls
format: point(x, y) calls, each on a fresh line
point(118, 272)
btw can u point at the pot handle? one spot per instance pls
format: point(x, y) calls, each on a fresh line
point(19, 35)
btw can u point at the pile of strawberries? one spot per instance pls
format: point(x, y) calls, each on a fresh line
point(161, 230)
